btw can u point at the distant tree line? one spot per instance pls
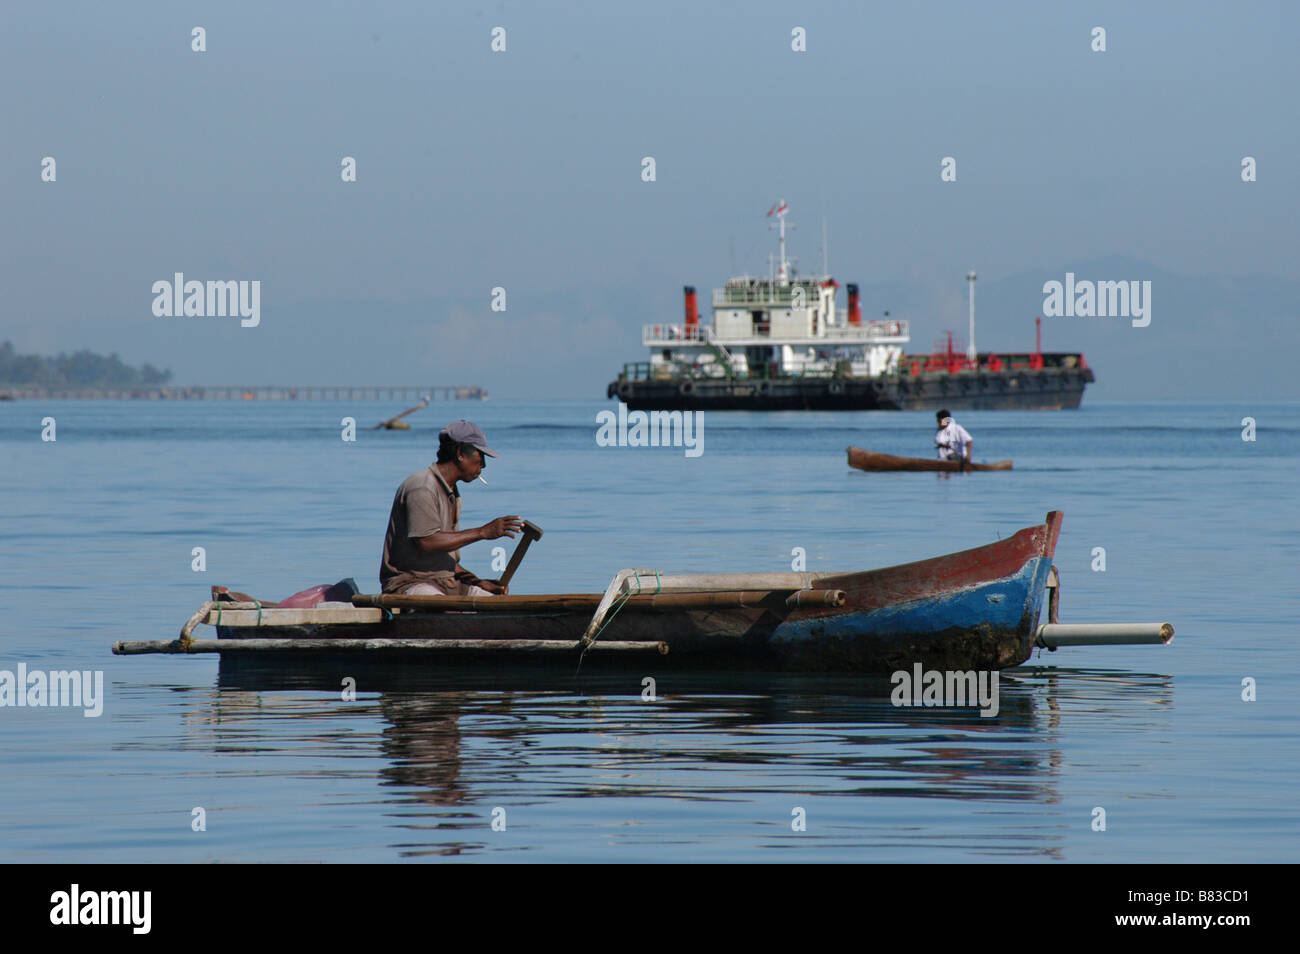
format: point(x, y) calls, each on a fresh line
point(81, 369)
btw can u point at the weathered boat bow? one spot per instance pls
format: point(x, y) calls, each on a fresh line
point(977, 609)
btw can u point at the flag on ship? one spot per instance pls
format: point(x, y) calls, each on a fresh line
point(777, 209)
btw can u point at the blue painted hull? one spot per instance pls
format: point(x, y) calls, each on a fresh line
point(986, 626)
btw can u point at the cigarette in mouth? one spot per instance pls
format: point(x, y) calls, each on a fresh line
point(485, 483)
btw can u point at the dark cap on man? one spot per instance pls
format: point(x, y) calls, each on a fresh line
point(465, 432)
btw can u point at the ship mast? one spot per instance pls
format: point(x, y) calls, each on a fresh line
point(783, 272)
point(971, 353)
point(826, 269)
point(783, 275)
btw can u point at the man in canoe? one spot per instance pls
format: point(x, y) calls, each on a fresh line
point(953, 441)
point(423, 541)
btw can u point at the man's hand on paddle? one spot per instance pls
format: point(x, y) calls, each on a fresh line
point(502, 527)
point(494, 587)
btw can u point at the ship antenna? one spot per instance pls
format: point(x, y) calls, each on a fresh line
point(970, 348)
point(826, 269)
point(785, 269)
point(783, 273)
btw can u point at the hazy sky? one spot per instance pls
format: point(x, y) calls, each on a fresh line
point(522, 169)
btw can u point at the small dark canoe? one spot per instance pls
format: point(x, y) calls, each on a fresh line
point(864, 459)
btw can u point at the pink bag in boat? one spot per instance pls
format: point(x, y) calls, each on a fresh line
point(340, 592)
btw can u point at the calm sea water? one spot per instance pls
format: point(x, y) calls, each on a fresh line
point(1198, 526)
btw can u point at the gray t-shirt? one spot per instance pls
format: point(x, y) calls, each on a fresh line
point(422, 506)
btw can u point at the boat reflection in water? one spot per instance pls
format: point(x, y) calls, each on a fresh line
point(710, 769)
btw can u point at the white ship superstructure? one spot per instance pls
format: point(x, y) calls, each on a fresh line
point(778, 326)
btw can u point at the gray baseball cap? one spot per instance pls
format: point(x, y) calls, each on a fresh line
point(465, 432)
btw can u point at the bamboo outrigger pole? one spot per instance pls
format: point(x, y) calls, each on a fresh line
point(140, 647)
point(1052, 635)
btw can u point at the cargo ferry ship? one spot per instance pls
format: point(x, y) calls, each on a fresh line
point(779, 343)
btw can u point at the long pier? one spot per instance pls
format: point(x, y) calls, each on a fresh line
point(459, 392)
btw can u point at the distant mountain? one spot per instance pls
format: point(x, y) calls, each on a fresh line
point(82, 369)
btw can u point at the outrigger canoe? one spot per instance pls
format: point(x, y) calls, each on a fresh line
point(864, 459)
point(974, 610)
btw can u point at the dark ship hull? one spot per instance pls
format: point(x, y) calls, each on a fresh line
point(1058, 385)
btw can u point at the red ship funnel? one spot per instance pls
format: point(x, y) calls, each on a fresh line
point(855, 310)
point(692, 312)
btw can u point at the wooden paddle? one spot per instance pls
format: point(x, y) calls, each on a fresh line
point(531, 532)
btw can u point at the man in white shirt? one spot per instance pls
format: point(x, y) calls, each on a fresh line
point(953, 441)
